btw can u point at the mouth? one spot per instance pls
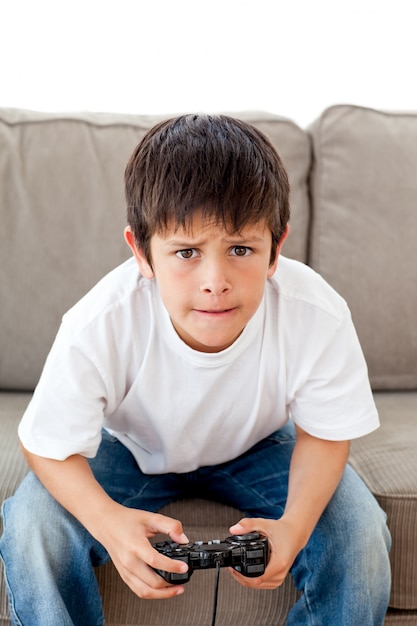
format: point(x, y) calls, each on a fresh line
point(215, 312)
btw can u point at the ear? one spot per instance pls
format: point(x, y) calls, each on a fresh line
point(272, 268)
point(144, 266)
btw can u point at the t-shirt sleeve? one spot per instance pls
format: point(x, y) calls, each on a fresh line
point(65, 415)
point(332, 397)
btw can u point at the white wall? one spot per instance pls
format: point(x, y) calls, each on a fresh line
point(292, 57)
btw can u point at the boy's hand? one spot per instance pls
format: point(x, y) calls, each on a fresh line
point(127, 542)
point(122, 531)
point(316, 468)
point(283, 549)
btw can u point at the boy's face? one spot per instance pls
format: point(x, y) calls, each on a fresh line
point(210, 281)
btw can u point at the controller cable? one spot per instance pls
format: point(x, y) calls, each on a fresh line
point(216, 593)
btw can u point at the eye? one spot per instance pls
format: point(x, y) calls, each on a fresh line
point(188, 253)
point(241, 251)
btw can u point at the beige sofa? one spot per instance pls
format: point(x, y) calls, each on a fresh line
point(354, 219)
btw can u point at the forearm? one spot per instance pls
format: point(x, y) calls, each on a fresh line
point(73, 485)
point(315, 471)
point(316, 468)
point(123, 531)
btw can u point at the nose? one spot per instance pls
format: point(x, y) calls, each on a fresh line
point(215, 279)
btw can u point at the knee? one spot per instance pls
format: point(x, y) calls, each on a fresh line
point(369, 543)
point(38, 529)
point(363, 537)
point(367, 564)
point(365, 521)
point(31, 516)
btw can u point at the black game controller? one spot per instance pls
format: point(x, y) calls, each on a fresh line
point(247, 554)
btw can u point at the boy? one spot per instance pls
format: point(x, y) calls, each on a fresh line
point(164, 379)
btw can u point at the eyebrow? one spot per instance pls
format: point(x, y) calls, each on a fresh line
point(232, 239)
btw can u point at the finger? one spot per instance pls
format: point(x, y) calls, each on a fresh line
point(156, 560)
point(260, 582)
point(146, 582)
point(153, 586)
point(168, 526)
point(253, 524)
point(247, 525)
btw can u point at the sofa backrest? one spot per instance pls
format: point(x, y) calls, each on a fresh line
point(62, 214)
point(364, 231)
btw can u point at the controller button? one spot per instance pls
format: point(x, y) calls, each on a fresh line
point(249, 537)
point(255, 569)
point(178, 577)
point(255, 554)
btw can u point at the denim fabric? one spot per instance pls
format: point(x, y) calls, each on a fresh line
point(343, 572)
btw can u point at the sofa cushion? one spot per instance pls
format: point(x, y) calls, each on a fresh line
point(12, 467)
point(387, 462)
point(364, 201)
point(63, 213)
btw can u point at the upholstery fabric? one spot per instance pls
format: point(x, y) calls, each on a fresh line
point(387, 462)
point(364, 189)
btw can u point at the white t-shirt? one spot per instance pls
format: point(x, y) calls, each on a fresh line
point(118, 363)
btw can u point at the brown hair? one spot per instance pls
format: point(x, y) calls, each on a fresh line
point(222, 166)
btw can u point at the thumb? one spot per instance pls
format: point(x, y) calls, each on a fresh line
point(244, 526)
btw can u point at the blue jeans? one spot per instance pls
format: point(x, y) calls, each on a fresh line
point(343, 572)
